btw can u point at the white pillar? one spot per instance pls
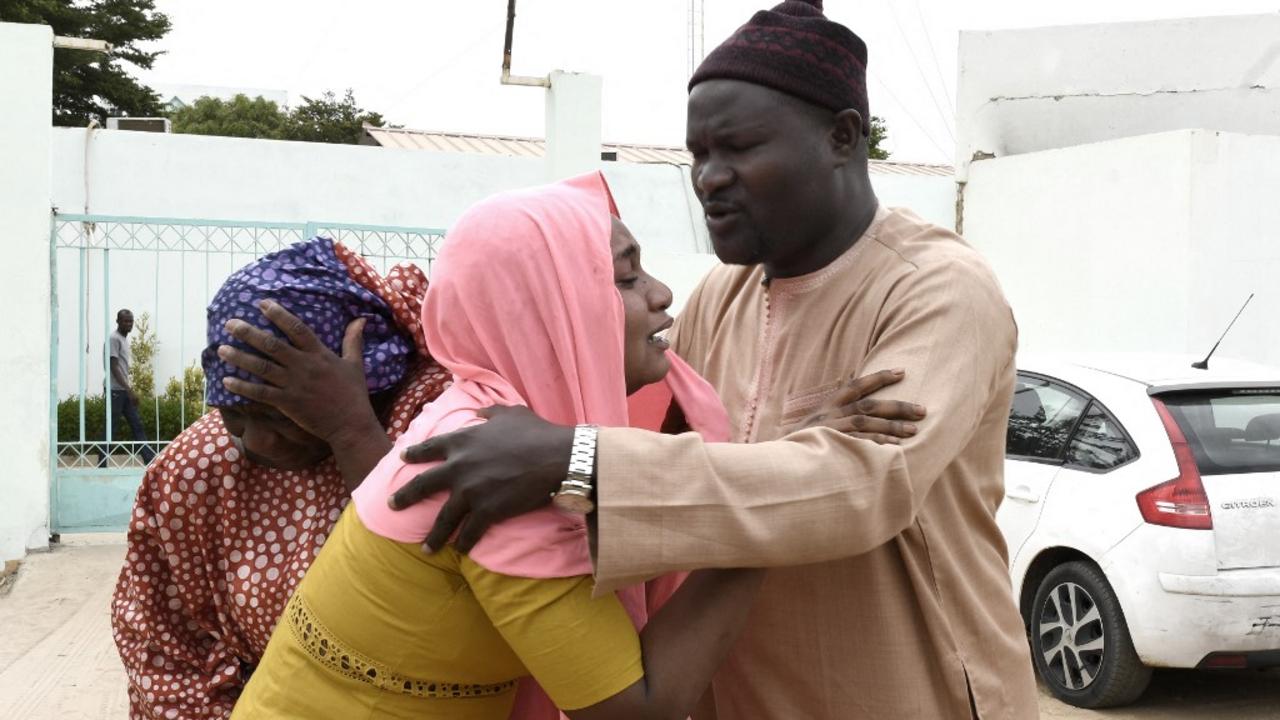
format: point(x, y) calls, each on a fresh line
point(573, 124)
point(26, 90)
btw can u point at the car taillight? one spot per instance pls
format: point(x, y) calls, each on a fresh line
point(1180, 502)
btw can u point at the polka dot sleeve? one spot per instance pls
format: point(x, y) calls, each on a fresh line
point(217, 545)
point(165, 616)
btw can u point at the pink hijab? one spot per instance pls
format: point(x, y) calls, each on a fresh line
point(522, 309)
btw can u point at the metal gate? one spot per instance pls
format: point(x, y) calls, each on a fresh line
point(164, 270)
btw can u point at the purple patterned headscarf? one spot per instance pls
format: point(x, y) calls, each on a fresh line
point(310, 281)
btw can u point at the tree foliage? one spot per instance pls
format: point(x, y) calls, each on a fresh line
point(90, 85)
point(879, 133)
point(238, 117)
point(325, 119)
point(330, 120)
point(143, 346)
point(163, 416)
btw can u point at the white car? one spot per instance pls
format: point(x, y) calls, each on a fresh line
point(1142, 513)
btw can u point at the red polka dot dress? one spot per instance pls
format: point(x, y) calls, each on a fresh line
point(217, 544)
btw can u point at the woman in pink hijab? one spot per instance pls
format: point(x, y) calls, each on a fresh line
point(539, 299)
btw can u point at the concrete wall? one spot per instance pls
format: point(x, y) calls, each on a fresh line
point(188, 176)
point(1036, 89)
point(930, 196)
point(193, 176)
point(1148, 243)
point(1235, 242)
point(573, 123)
point(26, 86)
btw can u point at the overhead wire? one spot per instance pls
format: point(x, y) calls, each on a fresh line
point(946, 122)
point(942, 79)
point(929, 136)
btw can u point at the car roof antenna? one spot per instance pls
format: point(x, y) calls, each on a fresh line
point(1204, 364)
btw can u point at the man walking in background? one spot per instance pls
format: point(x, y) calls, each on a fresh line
point(124, 402)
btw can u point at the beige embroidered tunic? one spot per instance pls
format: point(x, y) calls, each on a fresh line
point(890, 596)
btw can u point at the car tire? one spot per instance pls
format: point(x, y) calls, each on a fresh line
point(1080, 641)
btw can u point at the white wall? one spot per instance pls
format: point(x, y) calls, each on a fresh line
point(26, 86)
point(658, 205)
point(193, 176)
point(573, 124)
point(1036, 89)
point(196, 177)
point(188, 176)
point(931, 197)
point(1235, 243)
point(1148, 243)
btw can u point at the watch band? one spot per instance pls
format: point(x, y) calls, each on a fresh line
point(582, 459)
point(576, 491)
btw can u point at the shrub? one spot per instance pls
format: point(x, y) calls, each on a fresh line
point(173, 413)
point(143, 347)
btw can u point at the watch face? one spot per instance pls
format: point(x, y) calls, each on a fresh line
point(574, 503)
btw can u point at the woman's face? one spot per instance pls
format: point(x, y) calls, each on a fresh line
point(272, 440)
point(645, 301)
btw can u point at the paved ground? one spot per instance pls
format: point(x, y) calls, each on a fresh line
point(1187, 694)
point(57, 661)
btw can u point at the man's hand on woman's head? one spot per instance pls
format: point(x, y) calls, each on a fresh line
point(326, 395)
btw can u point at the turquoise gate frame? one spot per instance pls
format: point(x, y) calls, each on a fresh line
point(83, 496)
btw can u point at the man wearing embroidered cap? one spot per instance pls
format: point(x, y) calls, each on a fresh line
point(889, 595)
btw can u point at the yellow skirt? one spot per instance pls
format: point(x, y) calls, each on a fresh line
point(379, 629)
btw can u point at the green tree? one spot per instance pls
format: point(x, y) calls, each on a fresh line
point(90, 85)
point(330, 120)
point(143, 346)
point(238, 117)
point(879, 132)
point(183, 398)
point(326, 119)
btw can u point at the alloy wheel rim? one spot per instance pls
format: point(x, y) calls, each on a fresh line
point(1072, 637)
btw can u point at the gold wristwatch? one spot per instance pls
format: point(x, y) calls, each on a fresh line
point(577, 489)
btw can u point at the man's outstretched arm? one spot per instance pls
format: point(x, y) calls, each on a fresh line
point(514, 462)
point(675, 502)
point(669, 503)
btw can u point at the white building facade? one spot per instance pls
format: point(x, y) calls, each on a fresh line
point(1122, 181)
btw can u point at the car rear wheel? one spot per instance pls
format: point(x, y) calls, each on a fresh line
point(1080, 640)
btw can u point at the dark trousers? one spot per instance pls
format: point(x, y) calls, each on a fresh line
point(124, 410)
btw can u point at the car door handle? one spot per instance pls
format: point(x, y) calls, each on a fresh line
point(1023, 493)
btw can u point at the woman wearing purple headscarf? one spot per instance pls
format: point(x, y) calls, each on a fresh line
point(230, 516)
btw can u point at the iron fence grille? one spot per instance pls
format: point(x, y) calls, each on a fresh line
point(172, 267)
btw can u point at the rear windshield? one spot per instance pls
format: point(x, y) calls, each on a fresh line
point(1230, 431)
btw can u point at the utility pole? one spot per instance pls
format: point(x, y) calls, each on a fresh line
point(696, 35)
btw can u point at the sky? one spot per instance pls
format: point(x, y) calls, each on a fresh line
point(435, 65)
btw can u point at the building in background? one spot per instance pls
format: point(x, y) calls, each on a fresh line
point(1122, 180)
